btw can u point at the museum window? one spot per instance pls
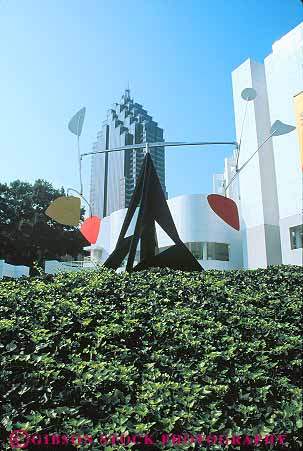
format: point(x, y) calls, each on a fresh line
point(206, 251)
point(218, 251)
point(196, 248)
point(296, 236)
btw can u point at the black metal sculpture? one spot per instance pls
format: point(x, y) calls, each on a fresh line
point(149, 197)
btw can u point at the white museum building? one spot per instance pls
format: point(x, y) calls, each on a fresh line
point(213, 242)
point(270, 186)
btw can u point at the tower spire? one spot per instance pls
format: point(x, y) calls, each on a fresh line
point(127, 92)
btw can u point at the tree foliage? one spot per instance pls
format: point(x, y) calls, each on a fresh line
point(27, 235)
point(152, 352)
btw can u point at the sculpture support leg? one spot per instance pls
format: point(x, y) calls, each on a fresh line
point(149, 196)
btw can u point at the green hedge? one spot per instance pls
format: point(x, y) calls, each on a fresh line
point(153, 352)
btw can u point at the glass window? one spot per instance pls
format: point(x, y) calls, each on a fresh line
point(212, 251)
point(196, 248)
point(296, 236)
point(218, 251)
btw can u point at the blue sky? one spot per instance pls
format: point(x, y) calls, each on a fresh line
point(59, 55)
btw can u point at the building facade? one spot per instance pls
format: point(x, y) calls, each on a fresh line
point(257, 182)
point(269, 189)
point(284, 78)
point(114, 175)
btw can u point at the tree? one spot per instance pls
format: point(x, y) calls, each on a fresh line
point(27, 235)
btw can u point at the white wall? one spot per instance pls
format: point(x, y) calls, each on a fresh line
point(257, 181)
point(284, 75)
point(7, 270)
point(290, 256)
point(271, 184)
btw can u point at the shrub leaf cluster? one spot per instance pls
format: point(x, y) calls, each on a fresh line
point(153, 352)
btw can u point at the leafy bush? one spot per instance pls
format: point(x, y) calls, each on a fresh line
point(152, 352)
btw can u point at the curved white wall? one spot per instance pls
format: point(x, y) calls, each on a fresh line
point(195, 222)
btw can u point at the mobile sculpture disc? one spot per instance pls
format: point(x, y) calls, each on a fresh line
point(149, 198)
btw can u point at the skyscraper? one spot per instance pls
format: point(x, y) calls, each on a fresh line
point(114, 175)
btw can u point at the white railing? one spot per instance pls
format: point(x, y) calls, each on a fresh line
point(54, 266)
